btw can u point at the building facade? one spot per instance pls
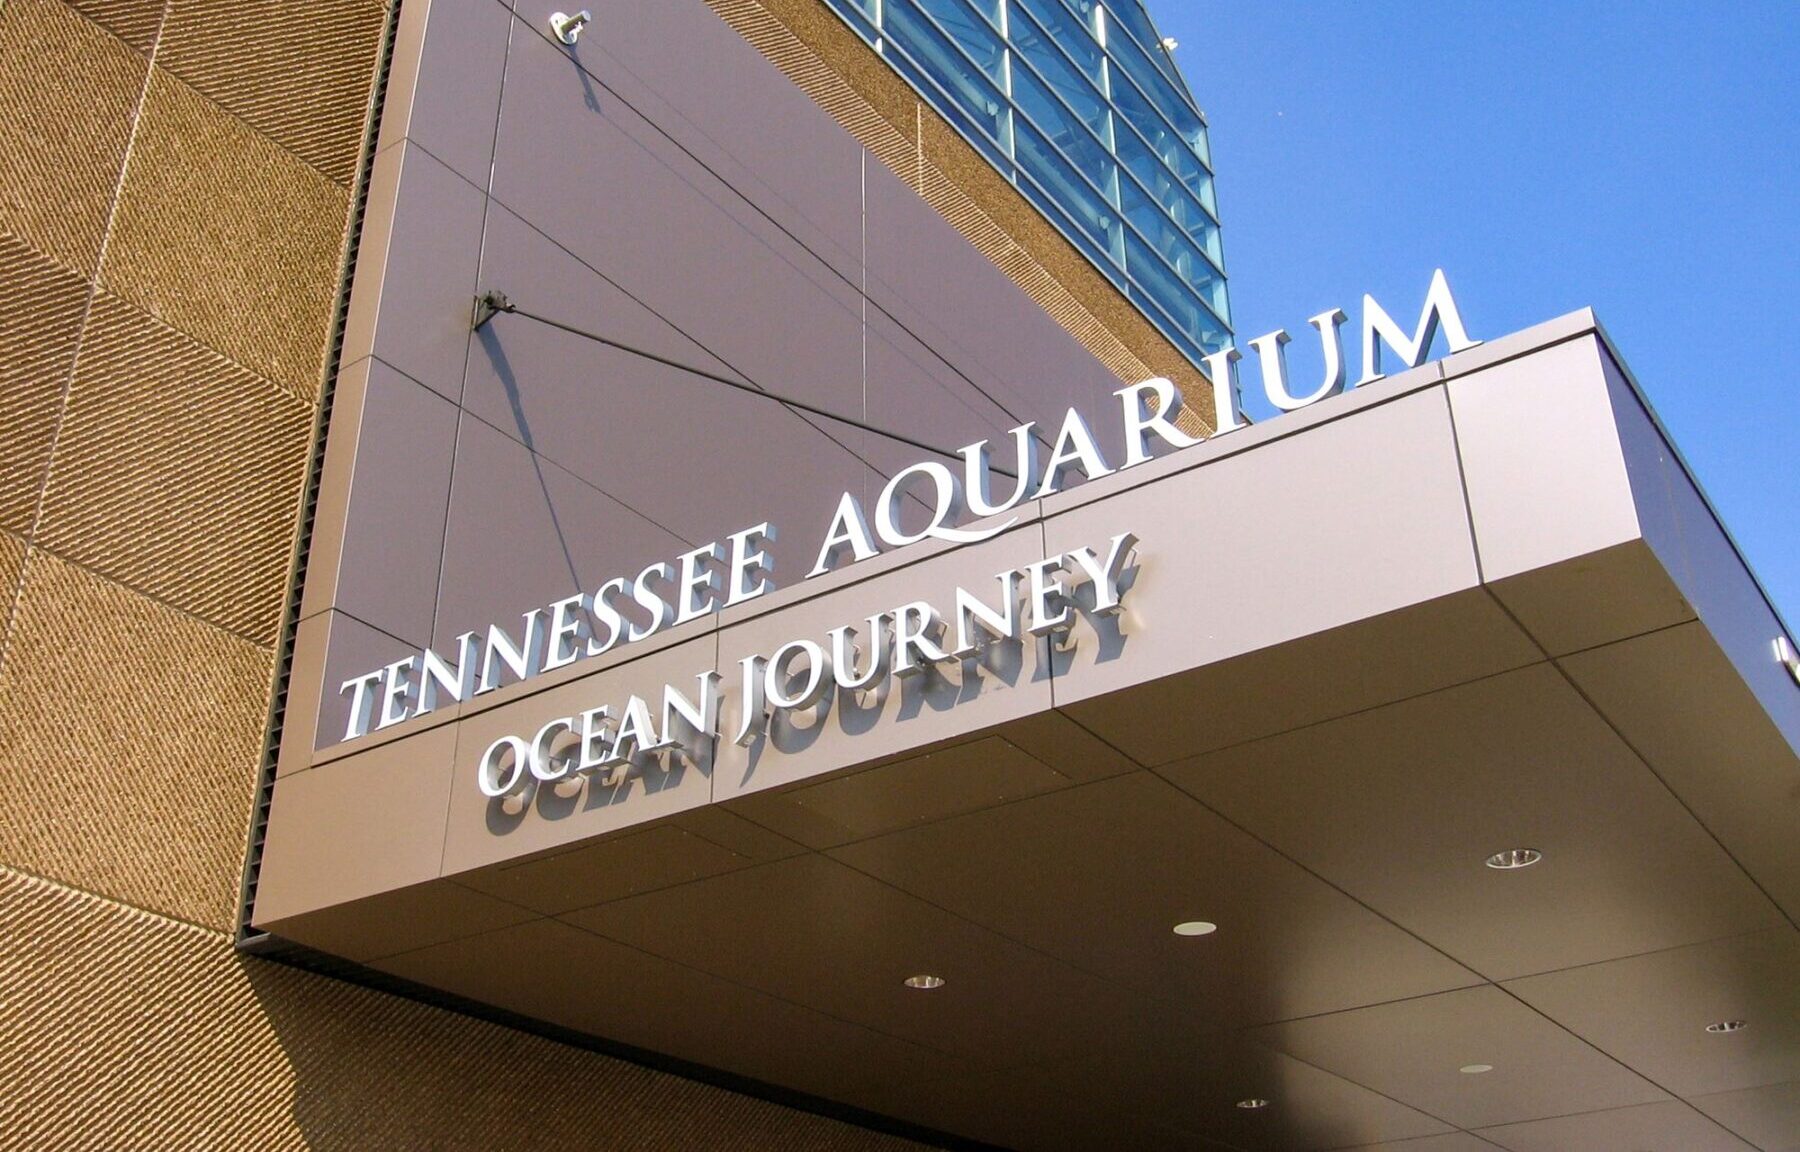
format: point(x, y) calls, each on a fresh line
point(266, 461)
point(182, 187)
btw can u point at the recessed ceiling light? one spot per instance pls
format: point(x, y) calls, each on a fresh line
point(925, 982)
point(1195, 928)
point(1726, 1026)
point(1514, 858)
point(1253, 1102)
point(1475, 1069)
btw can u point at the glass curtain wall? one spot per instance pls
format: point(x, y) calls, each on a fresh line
point(1080, 105)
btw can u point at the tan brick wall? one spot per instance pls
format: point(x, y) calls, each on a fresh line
point(176, 179)
point(126, 1029)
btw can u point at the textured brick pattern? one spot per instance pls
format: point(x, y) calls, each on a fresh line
point(130, 735)
point(227, 237)
point(39, 324)
point(133, 21)
point(12, 563)
point(178, 472)
point(67, 93)
point(299, 73)
point(827, 61)
point(144, 1033)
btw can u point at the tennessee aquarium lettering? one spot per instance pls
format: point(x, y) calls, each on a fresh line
point(966, 506)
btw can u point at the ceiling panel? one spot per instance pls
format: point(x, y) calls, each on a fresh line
point(1414, 1050)
point(1099, 875)
point(1670, 1125)
point(904, 792)
point(815, 932)
point(1768, 1117)
point(1450, 1142)
point(1400, 806)
point(1652, 1011)
point(1683, 702)
point(1307, 1108)
point(616, 867)
point(1448, 640)
point(554, 972)
point(1024, 1108)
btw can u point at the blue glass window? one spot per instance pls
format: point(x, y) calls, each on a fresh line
point(977, 38)
point(1069, 34)
point(1058, 178)
point(1057, 72)
point(1137, 24)
point(1070, 135)
point(1079, 105)
point(936, 59)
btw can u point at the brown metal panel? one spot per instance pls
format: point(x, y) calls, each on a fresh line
point(177, 472)
point(904, 792)
point(551, 970)
point(330, 648)
point(45, 303)
point(1414, 1051)
point(397, 920)
point(1333, 673)
point(298, 74)
point(1450, 1142)
point(953, 300)
point(935, 397)
point(1099, 875)
point(824, 59)
point(1025, 1108)
point(1400, 806)
point(142, 726)
point(679, 64)
point(1768, 1117)
point(70, 91)
point(393, 529)
point(483, 831)
point(1619, 591)
point(444, 91)
point(1736, 611)
point(1680, 702)
point(524, 532)
point(1008, 682)
point(815, 932)
point(612, 188)
point(221, 233)
point(1563, 491)
point(626, 424)
point(417, 270)
point(1196, 1085)
point(1670, 1124)
point(1214, 582)
point(830, 63)
point(1652, 1011)
point(357, 827)
point(636, 861)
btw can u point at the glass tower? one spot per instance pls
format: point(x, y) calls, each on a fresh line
point(1078, 103)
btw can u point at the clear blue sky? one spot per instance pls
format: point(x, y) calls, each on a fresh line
point(1643, 159)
